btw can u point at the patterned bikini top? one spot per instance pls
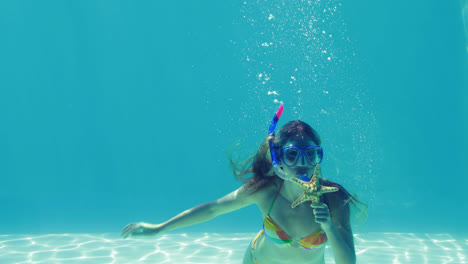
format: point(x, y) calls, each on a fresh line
point(275, 234)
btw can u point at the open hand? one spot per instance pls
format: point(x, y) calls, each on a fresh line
point(139, 230)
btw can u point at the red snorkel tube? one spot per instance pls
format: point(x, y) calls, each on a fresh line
point(271, 132)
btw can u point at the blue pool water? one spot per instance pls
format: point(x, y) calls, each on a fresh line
point(115, 112)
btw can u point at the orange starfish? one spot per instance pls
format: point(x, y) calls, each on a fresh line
point(312, 189)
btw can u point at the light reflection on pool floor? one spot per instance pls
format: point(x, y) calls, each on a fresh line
point(213, 248)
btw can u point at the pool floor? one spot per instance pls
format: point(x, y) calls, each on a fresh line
point(216, 248)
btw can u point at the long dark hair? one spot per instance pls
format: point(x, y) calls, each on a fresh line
point(261, 171)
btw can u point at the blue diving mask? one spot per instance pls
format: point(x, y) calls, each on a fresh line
point(312, 155)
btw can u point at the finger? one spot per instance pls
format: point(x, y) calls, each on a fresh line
point(127, 227)
point(127, 230)
point(320, 220)
point(130, 233)
point(322, 215)
point(318, 205)
point(320, 209)
point(321, 212)
point(125, 234)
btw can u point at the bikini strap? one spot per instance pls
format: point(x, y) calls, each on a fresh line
point(274, 199)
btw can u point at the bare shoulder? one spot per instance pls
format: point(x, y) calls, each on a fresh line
point(244, 196)
point(257, 191)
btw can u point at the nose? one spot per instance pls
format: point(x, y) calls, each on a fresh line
point(302, 159)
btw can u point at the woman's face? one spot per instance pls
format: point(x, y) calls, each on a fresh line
point(302, 166)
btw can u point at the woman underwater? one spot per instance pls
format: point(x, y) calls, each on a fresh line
point(289, 235)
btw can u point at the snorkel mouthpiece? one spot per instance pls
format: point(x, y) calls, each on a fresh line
point(305, 178)
point(274, 161)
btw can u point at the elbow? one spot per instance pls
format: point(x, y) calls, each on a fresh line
point(211, 210)
point(352, 258)
point(203, 212)
point(347, 258)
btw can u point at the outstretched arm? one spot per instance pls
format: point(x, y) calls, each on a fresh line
point(198, 214)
